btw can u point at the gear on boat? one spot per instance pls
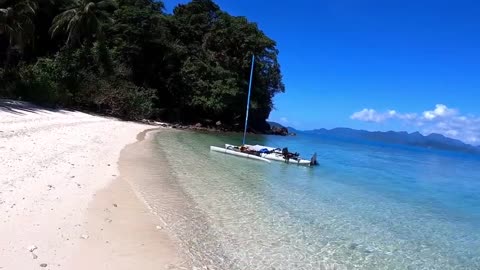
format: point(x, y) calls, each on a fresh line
point(266, 153)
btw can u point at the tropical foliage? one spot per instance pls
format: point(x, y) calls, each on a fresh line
point(16, 25)
point(129, 58)
point(83, 20)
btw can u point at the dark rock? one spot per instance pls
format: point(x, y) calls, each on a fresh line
point(283, 131)
point(43, 265)
point(353, 246)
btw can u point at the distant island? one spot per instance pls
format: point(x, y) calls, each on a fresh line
point(434, 140)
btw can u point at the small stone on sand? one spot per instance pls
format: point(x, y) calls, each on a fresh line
point(32, 248)
point(84, 236)
point(43, 265)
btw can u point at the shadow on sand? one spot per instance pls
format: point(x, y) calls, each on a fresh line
point(22, 107)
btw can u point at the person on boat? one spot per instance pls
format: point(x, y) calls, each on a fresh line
point(246, 149)
point(286, 154)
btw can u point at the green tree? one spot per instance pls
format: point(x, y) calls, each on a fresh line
point(192, 65)
point(16, 25)
point(82, 21)
point(137, 36)
point(216, 65)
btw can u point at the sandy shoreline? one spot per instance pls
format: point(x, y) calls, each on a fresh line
point(62, 201)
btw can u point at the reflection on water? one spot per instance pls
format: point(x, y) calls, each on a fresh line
point(365, 207)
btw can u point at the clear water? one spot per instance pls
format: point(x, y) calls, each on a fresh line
point(367, 206)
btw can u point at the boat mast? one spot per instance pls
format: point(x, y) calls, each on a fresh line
point(248, 99)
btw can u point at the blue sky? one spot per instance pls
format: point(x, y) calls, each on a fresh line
point(352, 63)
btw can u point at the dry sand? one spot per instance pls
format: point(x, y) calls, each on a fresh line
point(63, 204)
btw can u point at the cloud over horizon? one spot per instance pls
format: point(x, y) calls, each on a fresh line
point(284, 120)
point(442, 119)
point(371, 115)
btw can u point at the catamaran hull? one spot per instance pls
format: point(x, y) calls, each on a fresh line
point(277, 157)
point(264, 156)
point(238, 154)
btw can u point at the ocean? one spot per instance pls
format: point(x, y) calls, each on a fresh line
point(366, 206)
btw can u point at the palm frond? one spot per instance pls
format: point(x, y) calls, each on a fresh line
point(16, 21)
point(83, 21)
point(61, 21)
point(107, 4)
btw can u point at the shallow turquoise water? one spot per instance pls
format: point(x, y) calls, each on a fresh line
point(367, 206)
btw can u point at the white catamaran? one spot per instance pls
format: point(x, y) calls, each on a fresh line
point(260, 152)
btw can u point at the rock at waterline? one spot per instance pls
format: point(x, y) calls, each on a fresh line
point(276, 130)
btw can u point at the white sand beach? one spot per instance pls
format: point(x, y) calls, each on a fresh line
point(63, 204)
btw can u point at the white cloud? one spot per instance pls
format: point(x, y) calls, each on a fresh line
point(439, 111)
point(442, 119)
point(370, 115)
point(407, 116)
point(284, 120)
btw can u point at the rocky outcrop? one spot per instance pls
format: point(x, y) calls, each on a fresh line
point(218, 126)
point(276, 130)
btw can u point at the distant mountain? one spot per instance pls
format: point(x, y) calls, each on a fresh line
point(433, 140)
point(275, 124)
